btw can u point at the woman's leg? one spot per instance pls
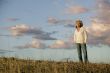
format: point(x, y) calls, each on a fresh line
point(79, 52)
point(84, 48)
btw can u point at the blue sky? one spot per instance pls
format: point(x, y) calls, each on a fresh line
point(39, 29)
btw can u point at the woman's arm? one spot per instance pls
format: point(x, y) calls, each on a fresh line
point(74, 37)
point(85, 36)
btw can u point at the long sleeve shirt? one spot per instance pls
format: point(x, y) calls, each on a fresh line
point(80, 36)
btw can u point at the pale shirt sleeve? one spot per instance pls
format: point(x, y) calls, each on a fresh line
point(74, 37)
point(85, 36)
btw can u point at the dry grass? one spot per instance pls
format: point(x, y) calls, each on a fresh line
point(14, 65)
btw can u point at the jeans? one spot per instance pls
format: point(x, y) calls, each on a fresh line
point(82, 47)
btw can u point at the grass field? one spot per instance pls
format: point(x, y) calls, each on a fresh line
point(15, 65)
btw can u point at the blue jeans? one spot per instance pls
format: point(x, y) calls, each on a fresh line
point(82, 47)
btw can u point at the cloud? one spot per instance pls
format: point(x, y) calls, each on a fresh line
point(65, 22)
point(99, 34)
point(99, 30)
point(23, 29)
point(19, 30)
point(61, 44)
point(4, 35)
point(76, 10)
point(4, 51)
point(58, 44)
point(53, 20)
point(11, 19)
point(35, 43)
point(45, 36)
point(103, 11)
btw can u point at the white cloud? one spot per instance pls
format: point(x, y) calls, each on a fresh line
point(23, 29)
point(100, 28)
point(75, 10)
point(99, 33)
point(35, 43)
point(66, 22)
point(19, 29)
point(61, 44)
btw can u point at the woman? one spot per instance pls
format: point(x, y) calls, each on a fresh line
point(80, 39)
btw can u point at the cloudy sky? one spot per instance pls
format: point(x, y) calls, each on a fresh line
point(43, 29)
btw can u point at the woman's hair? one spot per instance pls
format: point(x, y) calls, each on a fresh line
point(80, 22)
